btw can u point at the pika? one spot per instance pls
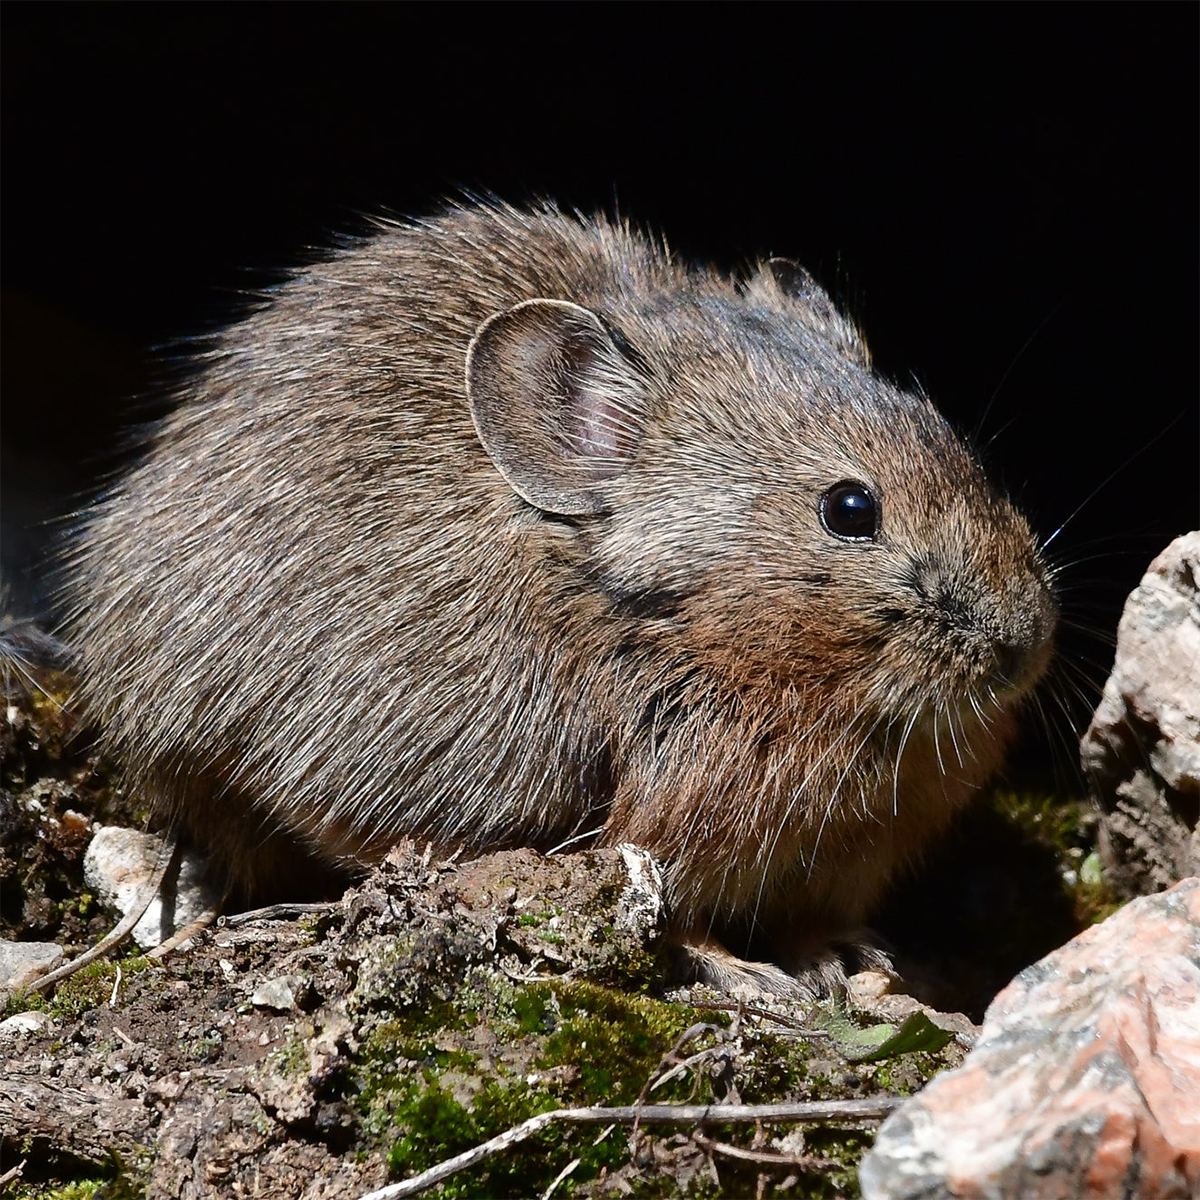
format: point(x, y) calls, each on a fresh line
point(507, 528)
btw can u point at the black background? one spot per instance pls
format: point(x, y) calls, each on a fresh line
point(1005, 198)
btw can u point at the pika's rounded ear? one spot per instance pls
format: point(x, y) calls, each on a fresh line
point(557, 406)
point(791, 280)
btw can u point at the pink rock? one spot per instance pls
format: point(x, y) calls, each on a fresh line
point(1085, 1081)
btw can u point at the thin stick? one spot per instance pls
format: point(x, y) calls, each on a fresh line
point(275, 912)
point(769, 1158)
point(201, 923)
point(753, 1010)
point(672, 1056)
point(874, 1108)
point(14, 1172)
point(560, 1177)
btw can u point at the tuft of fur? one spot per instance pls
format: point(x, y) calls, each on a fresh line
point(504, 527)
point(26, 648)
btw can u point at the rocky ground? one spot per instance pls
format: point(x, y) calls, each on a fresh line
point(437, 1005)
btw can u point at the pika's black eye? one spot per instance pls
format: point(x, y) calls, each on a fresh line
point(850, 512)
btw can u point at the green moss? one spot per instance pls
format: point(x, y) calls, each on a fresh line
point(405, 1097)
point(884, 1079)
point(1094, 900)
point(313, 928)
point(425, 1095)
point(614, 1040)
point(119, 1188)
point(844, 1146)
point(1056, 823)
point(438, 1126)
point(775, 1066)
point(23, 1000)
point(643, 971)
point(529, 1007)
point(291, 1059)
point(431, 1099)
point(92, 985)
point(81, 1189)
point(908, 1075)
point(388, 1064)
point(432, 1017)
point(113, 1179)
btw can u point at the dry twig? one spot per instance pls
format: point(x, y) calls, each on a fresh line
point(874, 1108)
point(201, 923)
point(14, 1172)
point(277, 912)
point(560, 1177)
point(754, 1010)
point(671, 1064)
point(771, 1158)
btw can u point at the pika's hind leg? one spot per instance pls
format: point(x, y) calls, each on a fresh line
point(253, 859)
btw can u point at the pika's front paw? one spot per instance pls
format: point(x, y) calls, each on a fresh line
point(701, 958)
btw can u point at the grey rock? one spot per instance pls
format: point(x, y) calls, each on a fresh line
point(1142, 749)
point(23, 1023)
point(23, 962)
point(279, 993)
point(119, 863)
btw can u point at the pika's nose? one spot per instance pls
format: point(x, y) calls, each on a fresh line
point(1022, 655)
